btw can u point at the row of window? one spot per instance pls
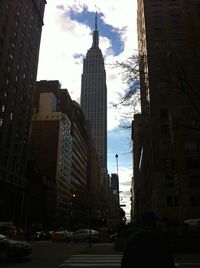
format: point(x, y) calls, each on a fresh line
point(173, 201)
point(191, 163)
point(172, 5)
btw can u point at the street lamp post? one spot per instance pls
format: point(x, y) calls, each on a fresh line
point(117, 162)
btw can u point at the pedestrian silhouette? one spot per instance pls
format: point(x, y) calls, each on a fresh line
point(147, 247)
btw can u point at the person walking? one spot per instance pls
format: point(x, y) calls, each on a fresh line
point(147, 247)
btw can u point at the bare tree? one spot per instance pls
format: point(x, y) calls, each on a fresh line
point(177, 78)
point(130, 73)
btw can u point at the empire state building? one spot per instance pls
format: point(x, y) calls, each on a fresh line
point(94, 96)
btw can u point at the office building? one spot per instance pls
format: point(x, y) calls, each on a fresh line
point(166, 134)
point(94, 96)
point(73, 185)
point(51, 152)
point(20, 31)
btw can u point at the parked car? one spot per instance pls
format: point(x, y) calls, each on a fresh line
point(83, 235)
point(40, 235)
point(61, 236)
point(113, 236)
point(11, 230)
point(14, 249)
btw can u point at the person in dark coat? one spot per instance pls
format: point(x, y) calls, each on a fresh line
point(147, 247)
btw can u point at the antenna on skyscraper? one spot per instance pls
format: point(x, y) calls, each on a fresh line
point(96, 21)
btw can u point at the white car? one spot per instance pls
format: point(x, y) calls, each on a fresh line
point(84, 235)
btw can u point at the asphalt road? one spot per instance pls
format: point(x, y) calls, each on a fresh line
point(47, 254)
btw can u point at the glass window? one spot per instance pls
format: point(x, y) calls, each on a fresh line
point(190, 146)
point(3, 108)
point(169, 201)
point(173, 5)
point(193, 163)
point(164, 129)
point(193, 201)
point(155, 7)
point(163, 113)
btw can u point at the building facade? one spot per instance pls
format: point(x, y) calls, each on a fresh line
point(82, 178)
point(114, 218)
point(20, 31)
point(50, 151)
point(167, 140)
point(94, 96)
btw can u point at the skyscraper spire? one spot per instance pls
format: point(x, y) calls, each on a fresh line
point(95, 34)
point(96, 22)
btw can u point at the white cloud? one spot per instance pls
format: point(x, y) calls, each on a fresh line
point(62, 38)
point(125, 175)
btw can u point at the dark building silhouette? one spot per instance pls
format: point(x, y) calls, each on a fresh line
point(20, 31)
point(59, 148)
point(166, 134)
point(94, 96)
point(114, 200)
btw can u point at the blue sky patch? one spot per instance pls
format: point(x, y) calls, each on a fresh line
point(78, 56)
point(106, 30)
point(119, 142)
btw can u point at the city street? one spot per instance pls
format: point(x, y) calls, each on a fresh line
point(47, 254)
point(54, 255)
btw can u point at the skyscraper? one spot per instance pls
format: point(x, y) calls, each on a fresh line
point(94, 96)
point(20, 31)
point(166, 149)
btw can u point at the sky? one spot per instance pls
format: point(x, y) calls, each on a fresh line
point(66, 37)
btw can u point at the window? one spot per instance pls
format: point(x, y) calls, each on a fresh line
point(167, 164)
point(169, 181)
point(190, 146)
point(194, 181)
point(193, 163)
point(11, 56)
point(193, 201)
point(158, 44)
point(163, 113)
point(175, 19)
point(158, 33)
point(177, 43)
point(172, 201)
point(187, 111)
point(173, 6)
point(3, 108)
point(1, 42)
point(157, 21)
point(156, 7)
point(164, 129)
point(177, 32)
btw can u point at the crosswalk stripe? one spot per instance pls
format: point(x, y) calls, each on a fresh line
point(188, 263)
point(90, 264)
point(181, 264)
point(93, 260)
